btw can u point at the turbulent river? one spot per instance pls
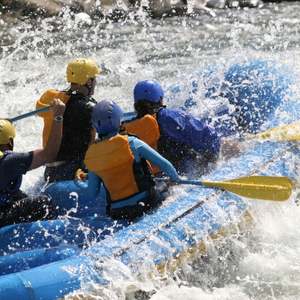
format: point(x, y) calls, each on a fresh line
point(265, 262)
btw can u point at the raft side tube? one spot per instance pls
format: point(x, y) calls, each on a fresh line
point(25, 260)
point(47, 282)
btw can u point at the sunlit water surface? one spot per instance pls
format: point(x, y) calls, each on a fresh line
point(263, 263)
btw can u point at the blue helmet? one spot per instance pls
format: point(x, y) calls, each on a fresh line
point(148, 90)
point(106, 117)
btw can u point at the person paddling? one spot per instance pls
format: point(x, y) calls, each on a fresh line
point(16, 206)
point(181, 138)
point(77, 127)
point(121, 163)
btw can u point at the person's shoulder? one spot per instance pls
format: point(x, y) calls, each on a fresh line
point(49, 95)
point(12, 154)
point(17, 158)
point(83, 102)
point(149, 117)
point(149, 120)
point(135, 142)
point(171, 113)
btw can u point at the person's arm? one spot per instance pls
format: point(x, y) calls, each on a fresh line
point(144, 151)
point(49, 152)
point(186, 129)
point(94, 184)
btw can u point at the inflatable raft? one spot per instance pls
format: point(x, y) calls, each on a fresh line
point(48, 259)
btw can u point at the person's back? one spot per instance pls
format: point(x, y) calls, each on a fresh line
point(77, 128)
point(125, 179)
point(120, 162)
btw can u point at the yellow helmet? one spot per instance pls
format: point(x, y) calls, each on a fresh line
point(7, 132)
point(81, 70)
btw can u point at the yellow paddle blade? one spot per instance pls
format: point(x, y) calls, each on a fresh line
point(290, 132)
point(274, 188)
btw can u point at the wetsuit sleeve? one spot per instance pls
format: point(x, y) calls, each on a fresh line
point(17, 164)
point(184, 128)
point(144, 151)
point(94, 184)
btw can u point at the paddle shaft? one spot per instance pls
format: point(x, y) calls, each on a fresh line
point(29, 114)
point(45, 109)
point(192, 182)
point(183, 181)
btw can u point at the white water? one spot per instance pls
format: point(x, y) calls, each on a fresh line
point(265, 264)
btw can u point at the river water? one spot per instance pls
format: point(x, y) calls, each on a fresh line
point(263, 264)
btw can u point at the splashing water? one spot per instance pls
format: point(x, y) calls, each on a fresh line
point(263, 263)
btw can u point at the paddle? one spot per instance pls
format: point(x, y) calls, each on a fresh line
point(275, 188)
point(29, 114)
point(44, 109)
point(288, 133)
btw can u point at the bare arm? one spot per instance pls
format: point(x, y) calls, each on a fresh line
point(49, 153)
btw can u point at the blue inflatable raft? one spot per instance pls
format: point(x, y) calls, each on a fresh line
point(48, 259)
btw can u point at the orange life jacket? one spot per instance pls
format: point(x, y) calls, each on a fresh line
point(45, 101)
point(113, 161)
point(147, 130)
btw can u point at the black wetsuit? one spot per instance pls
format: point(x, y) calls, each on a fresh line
point(77, 135)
